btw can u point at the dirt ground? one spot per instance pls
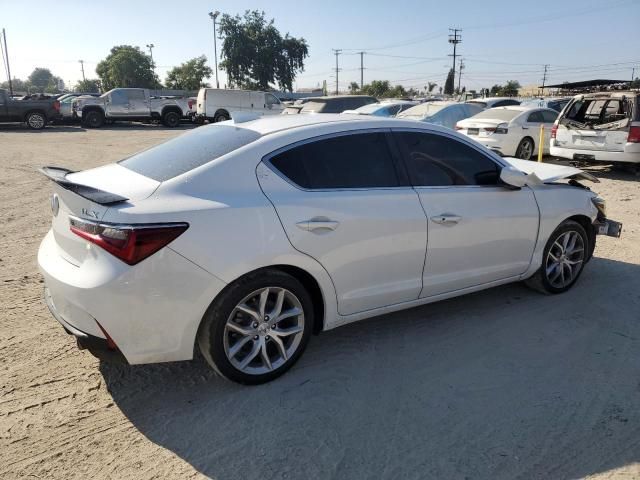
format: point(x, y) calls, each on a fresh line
point(502, 384)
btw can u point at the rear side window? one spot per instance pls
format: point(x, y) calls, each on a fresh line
point(535, 117)
point(348, 161)
point(189, 151)
point(549, 117)
point(437, 161)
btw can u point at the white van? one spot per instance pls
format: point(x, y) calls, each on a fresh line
point(217, 105)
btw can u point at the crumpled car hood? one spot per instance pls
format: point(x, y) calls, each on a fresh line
point(548, 172)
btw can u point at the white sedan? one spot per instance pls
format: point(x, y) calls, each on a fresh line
point(243, 238)
point(510, 131)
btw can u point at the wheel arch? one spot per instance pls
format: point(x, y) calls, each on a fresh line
point(221, 111)
point(171, 108)
point(34, 110)
point(585, 222)
point(92, 108)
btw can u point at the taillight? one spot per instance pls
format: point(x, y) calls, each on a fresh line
point(190, 103)
point(129, 243)
point(634, 133)
point(554, 130)
point(56, 105)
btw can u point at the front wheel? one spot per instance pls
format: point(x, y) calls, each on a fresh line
point(171, 119)
point(563, 259)
point(93, 119)
point(36, 120)
point(525, 149)
point(257, 328)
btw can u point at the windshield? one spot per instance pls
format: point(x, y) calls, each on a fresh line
point(371, 108)
point(313, 106)
point(423, 110)
point(498, 114)
point(188, 151)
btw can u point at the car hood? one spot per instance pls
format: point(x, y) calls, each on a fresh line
point(548, 172)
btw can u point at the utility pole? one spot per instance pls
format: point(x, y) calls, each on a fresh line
point(337, 51)
point(633, 72)
point(82, 67)
point(454, 38)
point(6, 54)
point(460, 74)
point(150, 47)
point(544, 77)
point(361, 70)
point(213, 16)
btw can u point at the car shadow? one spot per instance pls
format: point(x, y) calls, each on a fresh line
point(503, 383)
point(145, 126)
point(22, 128)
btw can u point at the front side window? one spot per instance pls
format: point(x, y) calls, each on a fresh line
point(360, 160)
point(271, 100)
point(436, 161)
point(119, 97)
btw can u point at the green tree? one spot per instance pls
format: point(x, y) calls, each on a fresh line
point(430, 86)
point(377, 88)
point(127, 66)
point(448, 84)
point(20, 86)
point(90, 85)
point(42, 80)
point(354, 87)
point(189, 75)
point(256, 56)
point(510, 89)
point(635, 83)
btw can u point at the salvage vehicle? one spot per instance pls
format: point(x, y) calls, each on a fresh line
point(331, 104)
point(243, 238)
point(511, 131)
point(446, 114)
point(493, 102)
point(218, 105)
point(130, 104)
point(386, 108)
point(34, 113)
point(66, 104)
point(599, 127)
point(554, 103)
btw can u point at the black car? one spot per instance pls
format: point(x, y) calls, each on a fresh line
point(336, 104)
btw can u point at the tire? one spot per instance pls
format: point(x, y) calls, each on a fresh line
point(525, 149)
point(235, 342)
point(36, 120)
point(93, 119)
point(549, 279)
point(221, 117)
point(171, 119)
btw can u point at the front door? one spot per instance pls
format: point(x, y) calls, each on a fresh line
point(340, 201)
point(118, 104)
point(479, 231)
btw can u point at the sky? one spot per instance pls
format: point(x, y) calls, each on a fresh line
point(406, 41)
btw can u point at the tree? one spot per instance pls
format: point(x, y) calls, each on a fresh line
point(354, 87)
point(635, 83)
point(18, 85)
point(431, 86)
point(256, 56)
point(42, 80)
point(88, 86)
point(189, 75)
point(448, 85)
point(377, 88)
point(510, 89)
point(127, 66)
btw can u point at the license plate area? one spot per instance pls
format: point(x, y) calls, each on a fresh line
point(473, 131)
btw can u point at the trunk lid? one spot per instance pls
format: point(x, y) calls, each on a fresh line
point(89, 195)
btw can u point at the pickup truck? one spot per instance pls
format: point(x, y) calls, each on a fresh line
point(130, 104)
point(35, 113)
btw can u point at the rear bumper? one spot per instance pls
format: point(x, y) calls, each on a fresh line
point(594, 155)
point(152, 310)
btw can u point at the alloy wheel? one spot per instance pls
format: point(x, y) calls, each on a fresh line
point(36, 121)
point(526, 150)
point(264, 330)
point(565, 259)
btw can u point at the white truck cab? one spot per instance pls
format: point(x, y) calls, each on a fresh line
point(217, 104)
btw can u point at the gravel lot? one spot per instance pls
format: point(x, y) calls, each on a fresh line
point(505, 383)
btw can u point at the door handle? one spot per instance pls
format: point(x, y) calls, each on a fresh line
point(525, 128)
point(446, 219)
point(317, 224)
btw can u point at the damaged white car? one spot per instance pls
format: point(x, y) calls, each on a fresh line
point(243, 238)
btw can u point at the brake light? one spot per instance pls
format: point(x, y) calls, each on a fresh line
point(56, 105)
point(554, 130)
point(634, 133)
point(129, 243)
point(190, 103)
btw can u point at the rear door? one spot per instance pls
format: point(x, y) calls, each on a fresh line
point(4, 100)
point(532, 123)
point(139, 103)
point(479, 231)
point(342, 200)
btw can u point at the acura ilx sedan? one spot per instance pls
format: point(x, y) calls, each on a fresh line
point(244, 237)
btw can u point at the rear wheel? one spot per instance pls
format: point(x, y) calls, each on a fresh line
point(93, 119)
point(171, 119)
point(525, 149)
point(257, 328)
point(221, 117)
point(563, 259)
point(36, 120)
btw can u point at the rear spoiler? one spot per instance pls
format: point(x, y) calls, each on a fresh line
point(59, 176)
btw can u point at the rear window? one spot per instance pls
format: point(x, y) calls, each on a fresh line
point(189, 151)
point(314, 106)
point(599, 111)
point(498, 114)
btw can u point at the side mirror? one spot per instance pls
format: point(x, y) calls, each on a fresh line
point(513, 177)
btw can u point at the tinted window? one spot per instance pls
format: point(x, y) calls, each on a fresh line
point(348, 161)
point(549, 117)
point(435, 160)
point(506, 103)
point(535, 117)
point(189, 151)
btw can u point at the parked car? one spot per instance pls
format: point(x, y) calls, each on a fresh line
point(554, 103)
point(130, 104)
point(66, 104)
point(599, 127)
point(333, 104)
point(243, 238)
point(218, 105)
point(510, 131)
point(446, 114)
point(34, 113)
point(492, 102)
point(386, 108)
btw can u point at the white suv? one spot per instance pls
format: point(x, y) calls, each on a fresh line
point(599, 127)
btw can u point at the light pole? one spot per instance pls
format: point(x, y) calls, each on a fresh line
point(213, 16)
point(150, 47)
point(82, 67)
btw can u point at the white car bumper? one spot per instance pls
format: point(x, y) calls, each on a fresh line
point(595, 155)
point(152, 310)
